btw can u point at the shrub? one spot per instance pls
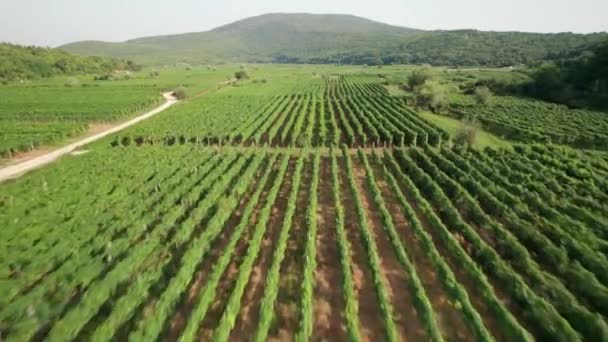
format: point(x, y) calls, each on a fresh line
point(105, 77)
point(241, 75)
point(467, 133)
point(431, 95)
point(125, 141)
point(180, 93)
point(72, 82)
point(482, 95)
point(420, 76)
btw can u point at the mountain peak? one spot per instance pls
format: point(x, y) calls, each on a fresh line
point(309, 22)
point(338, 38)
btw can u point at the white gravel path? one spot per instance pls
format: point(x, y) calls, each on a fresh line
point(16, 170)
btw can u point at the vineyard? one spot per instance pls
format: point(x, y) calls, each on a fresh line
point(298, 112)
point(534, 121)
point(308, 207)
point(42, 113)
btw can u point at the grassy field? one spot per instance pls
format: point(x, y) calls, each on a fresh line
point(305, 203)
point(451, 125)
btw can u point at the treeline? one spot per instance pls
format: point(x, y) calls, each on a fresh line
point(31, 62)
point(458, 48)
point(579, 82)
point(496, 49)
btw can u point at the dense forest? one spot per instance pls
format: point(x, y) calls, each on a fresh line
point(577, 82)
point(29, 62)
point(465, 48)
point(578, 79)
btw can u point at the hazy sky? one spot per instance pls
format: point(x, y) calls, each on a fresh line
point(55, 22)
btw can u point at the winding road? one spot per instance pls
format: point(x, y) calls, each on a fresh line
point(16, 170)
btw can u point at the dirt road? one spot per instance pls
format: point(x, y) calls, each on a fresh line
point(16, 170)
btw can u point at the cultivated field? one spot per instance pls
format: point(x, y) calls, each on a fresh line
point(537, 121)
point(48, 112)
point(307, 203)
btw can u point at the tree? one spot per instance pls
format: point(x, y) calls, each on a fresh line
point(483, 95)
point(26, 62)
point(241, 75)
point(180, 93)
point(133, 66)
point(419, 76)
point(577, 82)
point(431, 95)
point(466, 134)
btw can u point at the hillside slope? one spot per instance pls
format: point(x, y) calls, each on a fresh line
point(30, 62)
point(329, 38)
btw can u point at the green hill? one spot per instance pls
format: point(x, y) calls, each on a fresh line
point(30, 62)
point(328, 38)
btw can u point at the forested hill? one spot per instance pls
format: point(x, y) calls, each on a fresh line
point(576, 82)
point(315, 38)
point(29, 62)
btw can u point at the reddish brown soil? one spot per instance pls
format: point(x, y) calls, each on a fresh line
point(248, 317)
point(397, 279)
point(450, 318)
point(292, 268)
point(179, 320)
point(329, 324)
point(227, 282)
point(462, 276)
point(370, 316)
point(488, 237)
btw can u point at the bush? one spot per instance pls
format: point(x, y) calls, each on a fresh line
point(241, 75)
point(180, 93)
point(431, 95)
point(105, 77)
point(72, 82)
point(420, 76)
point(466, 134)
point(482, 95)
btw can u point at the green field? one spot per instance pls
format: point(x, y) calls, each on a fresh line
point(452, 126)
point(304, 203)
point(37, 114)
point(534, 121)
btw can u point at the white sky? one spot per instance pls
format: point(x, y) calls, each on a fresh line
point(55, 22)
